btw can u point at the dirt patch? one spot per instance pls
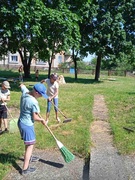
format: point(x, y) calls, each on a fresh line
point(100, 128)
point(100, 111)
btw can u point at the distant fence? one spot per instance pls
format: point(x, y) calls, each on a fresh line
point(102, 72)
point(71, 70)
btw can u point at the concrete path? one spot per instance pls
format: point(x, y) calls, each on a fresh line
point(105, 161)
point(51, 166)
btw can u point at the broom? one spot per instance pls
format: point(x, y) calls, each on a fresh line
point(67, 155)
point(12, 123)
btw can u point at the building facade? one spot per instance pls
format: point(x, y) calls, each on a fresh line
point(13, 61)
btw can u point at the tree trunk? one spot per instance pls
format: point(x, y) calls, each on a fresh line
point(98, 65)
point(26, 69)
point(49, 70)
point(74, 57)
point(50, 66)
point(75, 63)
point(26, 66)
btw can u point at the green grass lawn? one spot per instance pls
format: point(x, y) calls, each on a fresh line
point(76, 102)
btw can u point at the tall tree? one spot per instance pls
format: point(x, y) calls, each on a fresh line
point(79, 8)
point(41, 27)
point(20, 29)
point(128, 13)
point(62, 30)
point(103, 30)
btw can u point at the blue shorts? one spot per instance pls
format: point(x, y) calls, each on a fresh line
point(49, 104)
point(27, 133)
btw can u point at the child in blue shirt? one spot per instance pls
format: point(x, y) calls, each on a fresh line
point(29, 113)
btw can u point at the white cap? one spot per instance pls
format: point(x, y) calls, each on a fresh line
point(6, 84)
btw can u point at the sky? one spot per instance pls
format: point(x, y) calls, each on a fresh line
point(88, 58)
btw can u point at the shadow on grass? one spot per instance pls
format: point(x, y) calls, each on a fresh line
point(131, 93)
point(10, 159)
point(81, 80)
point(15, 85)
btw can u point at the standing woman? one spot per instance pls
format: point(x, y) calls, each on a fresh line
point(52, 92)
point(4, 97)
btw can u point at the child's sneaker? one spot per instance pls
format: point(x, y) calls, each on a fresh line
point(58, 119)
point(6, 131)
point(28, 170)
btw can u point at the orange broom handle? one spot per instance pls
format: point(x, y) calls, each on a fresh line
point(48, 128)
point(8, 110)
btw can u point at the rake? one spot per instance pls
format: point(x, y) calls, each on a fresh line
point(66, 119)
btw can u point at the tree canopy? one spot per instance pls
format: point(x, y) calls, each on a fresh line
point(36, 26)
point(41, 28)
point(106, 30)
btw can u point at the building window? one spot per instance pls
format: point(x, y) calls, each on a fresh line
point(14, 58)
point(59, 59)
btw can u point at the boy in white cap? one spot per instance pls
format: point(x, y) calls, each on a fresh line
point(52, 92)
point(29, 113)
point(4, 97)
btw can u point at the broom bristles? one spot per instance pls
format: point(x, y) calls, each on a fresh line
point(67, 155)
point(13, 127)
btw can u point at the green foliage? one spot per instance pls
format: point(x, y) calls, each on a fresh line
point(106, 31)
point(64, 65)
point(105, 28)
point(37, 26)
point(122, 62)
point(81, 65)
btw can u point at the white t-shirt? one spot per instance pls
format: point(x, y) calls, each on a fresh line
point(4, 94)
point(51, 88)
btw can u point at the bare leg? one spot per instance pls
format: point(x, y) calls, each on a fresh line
point(47, 116)
point(27, 156)
point(0, 124)
point(5, 123)
point(56, 113)
point(57, 118)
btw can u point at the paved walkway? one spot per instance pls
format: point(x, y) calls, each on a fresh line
point(105, 161)
point(51, 166)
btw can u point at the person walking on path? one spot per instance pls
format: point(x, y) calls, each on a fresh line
point(4, 98)
point(29, 113)
point(52, 92)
